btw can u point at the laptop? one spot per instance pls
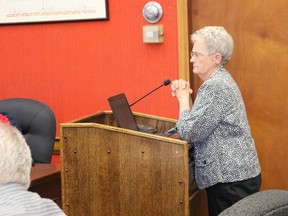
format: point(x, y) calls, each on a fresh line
point(122, 112)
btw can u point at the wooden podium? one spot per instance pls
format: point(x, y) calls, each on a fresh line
point(107, 170)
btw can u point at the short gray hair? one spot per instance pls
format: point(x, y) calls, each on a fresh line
point(15, 157)
point(217, 40)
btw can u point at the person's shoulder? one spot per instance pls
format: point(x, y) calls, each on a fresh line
point(222, 79)
point(26, 201)
point(215, 84)
point(218, 86)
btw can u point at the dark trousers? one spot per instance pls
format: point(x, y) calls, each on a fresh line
point(224, 195)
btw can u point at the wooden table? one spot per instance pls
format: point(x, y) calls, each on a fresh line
point(46, 181)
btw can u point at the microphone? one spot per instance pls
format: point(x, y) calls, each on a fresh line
point(165, 83)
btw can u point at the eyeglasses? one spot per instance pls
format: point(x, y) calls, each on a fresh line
point(197, 55)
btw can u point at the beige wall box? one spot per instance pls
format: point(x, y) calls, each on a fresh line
point(153, 34)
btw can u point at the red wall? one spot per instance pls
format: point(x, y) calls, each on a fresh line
point(75, 66)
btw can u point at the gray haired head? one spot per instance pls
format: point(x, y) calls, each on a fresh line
point(217, 40)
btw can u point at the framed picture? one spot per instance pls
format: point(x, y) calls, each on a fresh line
point(33, 11)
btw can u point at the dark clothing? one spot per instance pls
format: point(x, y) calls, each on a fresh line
point(224, 195)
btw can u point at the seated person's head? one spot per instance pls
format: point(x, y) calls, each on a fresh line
point(15, 156)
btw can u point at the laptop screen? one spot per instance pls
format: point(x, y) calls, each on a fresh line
point(122, 112)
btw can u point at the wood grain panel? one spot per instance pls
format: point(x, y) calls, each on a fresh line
point(114, 171)
point(183, 39)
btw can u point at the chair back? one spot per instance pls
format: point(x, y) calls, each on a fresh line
point(37, 123)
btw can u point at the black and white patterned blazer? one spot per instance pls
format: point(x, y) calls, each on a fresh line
point(218, 127)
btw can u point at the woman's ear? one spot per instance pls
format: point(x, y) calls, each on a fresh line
point(218, 58)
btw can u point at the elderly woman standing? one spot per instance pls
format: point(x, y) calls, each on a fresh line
point(226, 161)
